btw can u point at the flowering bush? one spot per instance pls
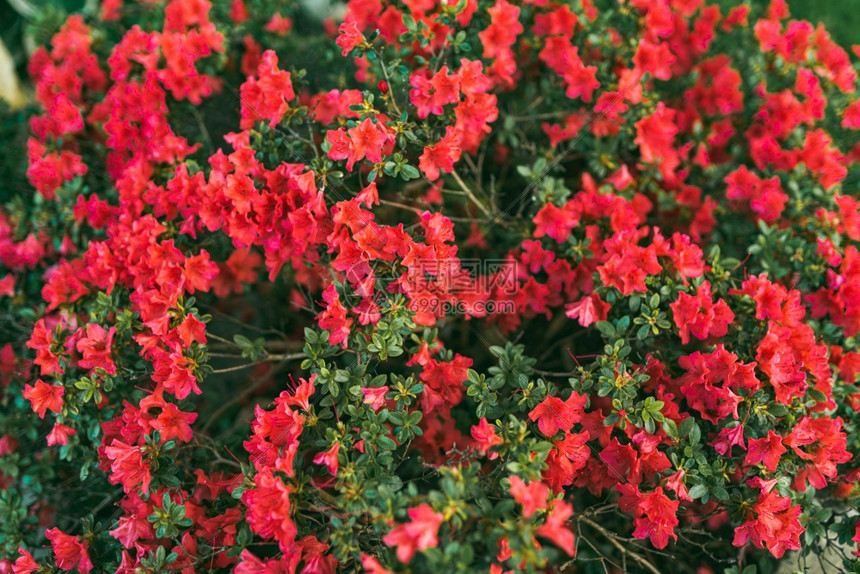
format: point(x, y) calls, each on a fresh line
point(472, 287)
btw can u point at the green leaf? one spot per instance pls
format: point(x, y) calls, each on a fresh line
point(686, 426)
point(695, 434)
point(606, 328)
point(670, 428)
point(409, 172)
point(698, 491)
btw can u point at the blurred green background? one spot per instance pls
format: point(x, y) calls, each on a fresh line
point(840, 17)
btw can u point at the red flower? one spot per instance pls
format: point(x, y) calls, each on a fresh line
point(266, 98)
point(349, 36)
point(655, 514)
point(60, 434)
point(556, 529)
point(555, 222)
point(486, 438)
point(654, 58)
point(443, 382)
point(532, 496)
point(173, 423)
point(728, 437)
point(268, 513)
point(70, 554)
point(778, 361)
point(128, 467)
point(241, 267)
point(25, 563)
point(564, 463)
point(676, 483)
point(773, 523)
point(655, 138)
point(441, 156)
point(374, 396)
point(822, 443)
point(96, 348)
point(554, 414)
point(372, 566)
point(699, 316)
point(588, 310)
point(334, 317)
point(191, 329)
point(851, 117)
point(497, 39)
point(329, 459)
point(175, 372)
point(44, 397)
point(367, 139)
point(43, 342)
point(280, 25)
point(765, 196)
point(767, 450)
point(825, 162)
point(628, 264)
point(48, 171)
point(199, 272)
point(419, 534)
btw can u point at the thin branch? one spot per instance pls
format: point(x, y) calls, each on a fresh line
point(287, 357)
point(471, 195)
point(236, 368)
point(416, 210)
point(625, 551)
point(223, 340)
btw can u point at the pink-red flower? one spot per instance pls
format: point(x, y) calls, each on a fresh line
point(44, 397)
point(69, 552)
point(532, 496)
point(699, 316)
point(418, 534)
point(553, 414)
point(772, 523)
point(486, 438)
point(267, 96)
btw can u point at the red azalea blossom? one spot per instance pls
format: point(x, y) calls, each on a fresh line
point(44, 397)
point(554, 414)
point(699, 316)
point(532, 496)
point(772, 523)
point(418, 534)
point(70, 553)
point(486, 438)
point(267, 96)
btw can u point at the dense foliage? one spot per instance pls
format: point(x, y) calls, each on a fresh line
point(432, 287)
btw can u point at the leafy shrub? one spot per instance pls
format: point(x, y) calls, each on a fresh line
point(435, 287)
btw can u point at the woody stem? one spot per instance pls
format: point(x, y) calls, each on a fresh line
point(471, 195)
point(626, 552)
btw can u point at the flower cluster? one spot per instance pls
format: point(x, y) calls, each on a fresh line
point(246, 330)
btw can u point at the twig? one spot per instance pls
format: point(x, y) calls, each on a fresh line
point(417, 210)
point(608, 535)
point(236, 368)
point(287, 357)
point(471, 195)
point(223, 340)
point(390, 87)
point(552, 374)
point(249, 390)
